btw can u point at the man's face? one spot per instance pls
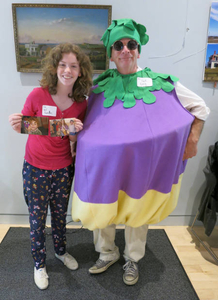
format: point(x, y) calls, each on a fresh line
point(125, 59)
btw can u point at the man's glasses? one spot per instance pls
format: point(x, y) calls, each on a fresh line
point(131, 45)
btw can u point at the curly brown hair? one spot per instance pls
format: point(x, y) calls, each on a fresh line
point(33, 119)
point(50, 63)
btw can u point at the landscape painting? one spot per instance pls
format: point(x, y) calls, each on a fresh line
point(211, 61)
point(40, 27)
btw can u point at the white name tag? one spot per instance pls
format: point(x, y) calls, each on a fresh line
point(49, 110)
point(142, 82)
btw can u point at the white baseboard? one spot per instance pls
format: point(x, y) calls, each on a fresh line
point(169, 221)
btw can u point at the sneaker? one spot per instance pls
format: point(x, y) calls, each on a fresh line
point(131, 274)
point(102, 265)
point(41, 278)
point(68, 260)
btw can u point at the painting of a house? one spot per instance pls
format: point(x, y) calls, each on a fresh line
point(32, 49)
point(39, 27)
point(211, 61)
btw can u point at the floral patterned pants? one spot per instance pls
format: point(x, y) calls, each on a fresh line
point(43, 188)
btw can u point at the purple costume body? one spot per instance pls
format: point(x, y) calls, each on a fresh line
point(124, 154)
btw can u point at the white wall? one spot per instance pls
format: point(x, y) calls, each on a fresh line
point(178, 32)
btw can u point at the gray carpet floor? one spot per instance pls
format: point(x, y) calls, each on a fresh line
point(162, 276)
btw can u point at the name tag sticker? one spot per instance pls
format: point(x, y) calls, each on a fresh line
point(49, 110)
point(143, 82)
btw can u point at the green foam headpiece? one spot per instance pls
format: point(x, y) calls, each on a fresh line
point(124, 28)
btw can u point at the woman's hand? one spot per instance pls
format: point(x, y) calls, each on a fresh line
point(15, 121)
point(78, 125)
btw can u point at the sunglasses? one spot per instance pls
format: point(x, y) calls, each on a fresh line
point(131, 45)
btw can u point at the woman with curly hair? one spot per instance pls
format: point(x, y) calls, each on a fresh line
point(48, 164)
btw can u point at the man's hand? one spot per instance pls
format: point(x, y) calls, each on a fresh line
point(193, 138)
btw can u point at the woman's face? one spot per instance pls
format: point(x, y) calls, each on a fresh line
point(68, 70)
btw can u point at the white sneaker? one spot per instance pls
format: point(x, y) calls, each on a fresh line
point(41, 278)
point(68, 260)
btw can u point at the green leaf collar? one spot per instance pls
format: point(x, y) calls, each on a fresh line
point(125, 88)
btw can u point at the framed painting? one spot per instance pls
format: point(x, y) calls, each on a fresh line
point(40, 27)
point(211, 60)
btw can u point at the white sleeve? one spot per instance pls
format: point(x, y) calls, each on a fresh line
point(192, 102)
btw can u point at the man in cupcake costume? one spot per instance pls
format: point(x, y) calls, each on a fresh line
point(131, 155)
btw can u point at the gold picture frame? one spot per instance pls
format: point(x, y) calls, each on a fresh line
point(39, 27)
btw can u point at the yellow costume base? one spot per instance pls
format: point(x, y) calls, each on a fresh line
point(152, 208)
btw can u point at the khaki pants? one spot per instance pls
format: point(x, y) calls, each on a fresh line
point(135, 241)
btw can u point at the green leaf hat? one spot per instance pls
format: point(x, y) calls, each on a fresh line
point(124, 28)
